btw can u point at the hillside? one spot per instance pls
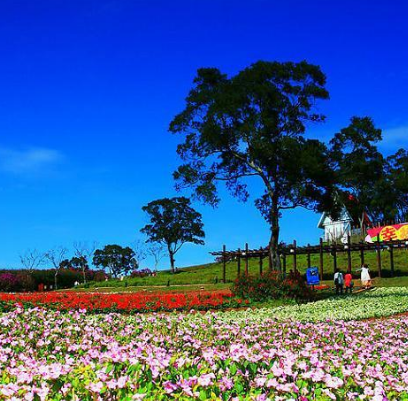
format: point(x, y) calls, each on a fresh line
point(212, 273)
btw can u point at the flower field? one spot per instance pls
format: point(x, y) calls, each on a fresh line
point(130, 302)
point(278, 354)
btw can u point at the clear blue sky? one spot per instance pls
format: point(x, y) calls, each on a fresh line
point(88, 88)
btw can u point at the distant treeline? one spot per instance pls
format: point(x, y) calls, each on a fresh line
point(25, 280)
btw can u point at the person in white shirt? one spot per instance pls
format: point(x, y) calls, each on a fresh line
point(365, 276)
point(338, 281)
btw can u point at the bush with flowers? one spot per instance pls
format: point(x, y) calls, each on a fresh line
point(271, 285)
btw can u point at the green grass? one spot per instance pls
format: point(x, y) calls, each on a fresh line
point(151, 288)
point(210, 274)
point(400, 262)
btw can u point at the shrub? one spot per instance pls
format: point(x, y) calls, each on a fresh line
point(100, 276)
point(26, 282)
point(141, 273)
point(8, 282)
point(23, 280)
point(45, 277)
point(271, 285)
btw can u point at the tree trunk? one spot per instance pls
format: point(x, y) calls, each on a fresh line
point(84, 274)
point(172, 260)
point(56, 280)
point(361, 221)
point(274, 259)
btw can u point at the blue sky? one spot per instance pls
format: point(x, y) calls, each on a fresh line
point(88, 88)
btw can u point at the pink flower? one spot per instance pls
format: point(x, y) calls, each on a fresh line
point(277, 370)
point(96, 387)
point(169, 387)
point(206, 379)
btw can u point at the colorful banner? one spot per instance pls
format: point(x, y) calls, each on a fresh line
point(388, 233)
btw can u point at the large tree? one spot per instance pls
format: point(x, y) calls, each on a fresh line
point(378, 185)
point(397, 175)
point(253, 125)
point(118, 260)
point(173, 222)
point(359, 166)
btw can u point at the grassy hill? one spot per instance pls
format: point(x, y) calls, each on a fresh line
point(211, 274)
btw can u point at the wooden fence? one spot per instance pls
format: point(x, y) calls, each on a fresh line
point(242, 256)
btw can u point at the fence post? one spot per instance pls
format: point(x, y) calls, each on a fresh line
point(379, 258)
point(392, 259)
point(348, 254)
point(224, 263)
point(335, 258)
point(239, 262)
point(294, 257)
point(321, 258)
point(246, 259)
point(362, 253)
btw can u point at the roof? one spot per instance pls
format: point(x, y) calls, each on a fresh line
point(344, 216)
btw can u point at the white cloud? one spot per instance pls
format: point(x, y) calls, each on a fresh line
point(28, 161)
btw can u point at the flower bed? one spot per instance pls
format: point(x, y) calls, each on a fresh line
point(130, 302)
point(379, 302)
point(236, 355)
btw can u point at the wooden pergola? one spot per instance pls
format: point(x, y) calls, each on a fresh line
point(321, 249)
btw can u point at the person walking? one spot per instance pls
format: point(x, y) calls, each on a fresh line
point(338, 281)
point(365, 276)
point(348, 282)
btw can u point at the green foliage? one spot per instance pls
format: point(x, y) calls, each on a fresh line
point(100, 276)
point(24, 280)
point(271, 285)
point(66, 277)
point(173, 222)
point(210, 273)
point(379, 184)
point(253, 124)
point(379, 302)
point(79, 263)
point(116, 259)
point(397, 173)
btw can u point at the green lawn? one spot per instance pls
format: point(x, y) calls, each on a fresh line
point(209, 276)
point(114, 286)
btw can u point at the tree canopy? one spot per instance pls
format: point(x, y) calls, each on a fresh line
point(379, 185)
point(173, 222)
point(397, 174)
point(254, 124)
point(118, 260)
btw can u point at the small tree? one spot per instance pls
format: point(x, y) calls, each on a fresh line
point(139, 249)
point(80, 263)
point(32, 259)
point(173, 222)
point(116, 259)
point(84, 252)
point(157, 251)
point(56, 257)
